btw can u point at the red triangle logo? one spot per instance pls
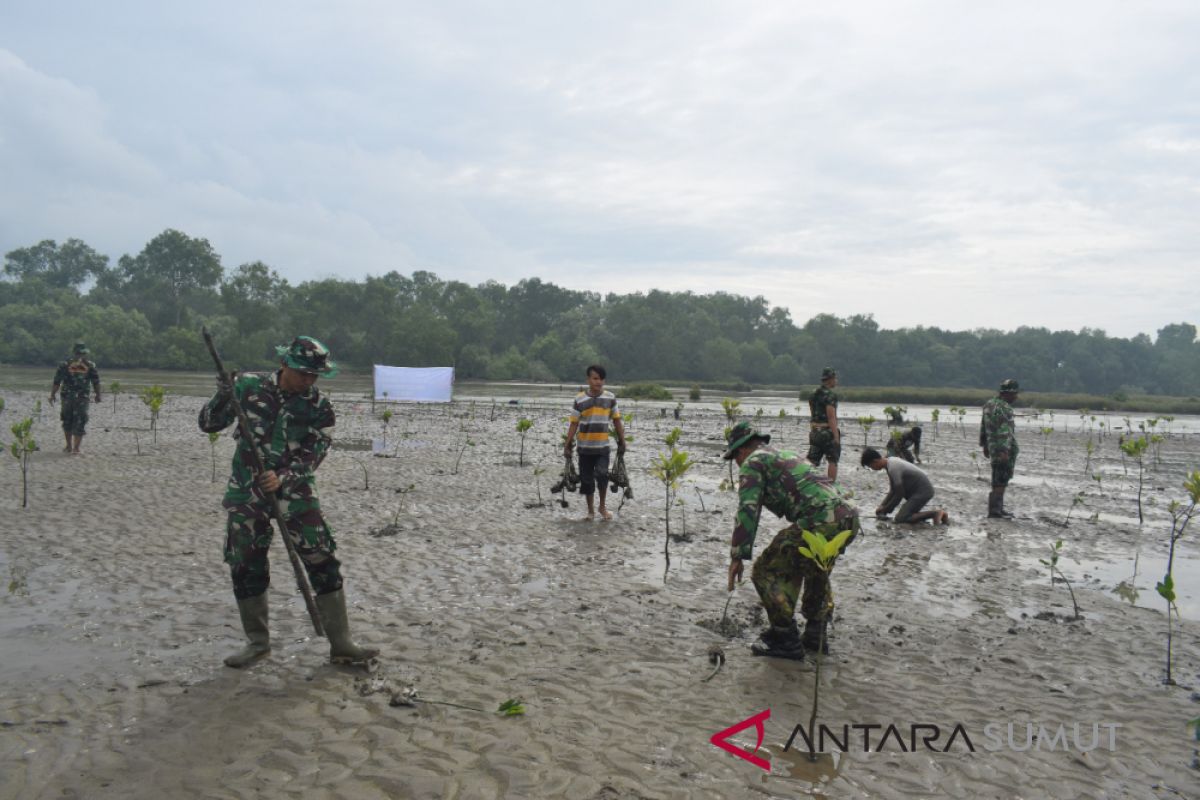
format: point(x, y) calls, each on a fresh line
point(721, 739)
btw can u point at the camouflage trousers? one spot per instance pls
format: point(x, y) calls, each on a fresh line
point(1002, 472)
point(781, 574)
point(821, 445)
point(249, 530)
point(74, 415)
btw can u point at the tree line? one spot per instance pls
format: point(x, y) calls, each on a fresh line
point(145, 311)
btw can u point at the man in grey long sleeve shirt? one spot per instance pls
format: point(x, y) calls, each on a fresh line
point(908, 483)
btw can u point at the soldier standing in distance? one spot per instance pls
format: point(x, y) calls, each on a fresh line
point(73, 376)
point(291, 422)
point(781, 482)
point(824, 438)
point(998, 438)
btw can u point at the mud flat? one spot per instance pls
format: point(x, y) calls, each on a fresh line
point(118, 611)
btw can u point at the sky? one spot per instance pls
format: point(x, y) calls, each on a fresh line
point(964, 165)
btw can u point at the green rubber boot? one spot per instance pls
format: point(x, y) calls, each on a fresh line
point(342, 649)
point(254, 622)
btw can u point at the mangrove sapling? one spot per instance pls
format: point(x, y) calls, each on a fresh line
point(866, 423)
point(937, 412)
point(1077, 500)
point(22, 448)
point(1090, 447)
point(962, 415)
point(37, 409)
point(212, 446)
point(1181, 515)
point(702, 508)
point(730, 407)
point(466, 443)
point(694, 393)
point(537, 472)
point(386, 416)
point(975, 461)
point(114, 388)
point(822, 552)
point(523, 426)
point(895, 414)
point(1136, 448)
point(153, 397)
point(1052, 563)
point(669, 468)
point(1156, 440)
point(1046, 434)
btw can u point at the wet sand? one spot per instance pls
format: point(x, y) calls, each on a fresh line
point(118, 612)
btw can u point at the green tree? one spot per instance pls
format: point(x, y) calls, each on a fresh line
point(67, 265)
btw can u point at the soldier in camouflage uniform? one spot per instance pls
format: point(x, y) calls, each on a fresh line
point(998, 438)
point(787, 486)
point(906, 445)
point(73, 376)
point(291, 422)
point(824, 438)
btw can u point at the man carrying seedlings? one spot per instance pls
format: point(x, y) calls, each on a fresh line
point(291, 422)
point(824, 438)
point(73, 376)
point(998, 438)
point(787, 486)
point(907, 483)
point(594, 410)
point(907, 445)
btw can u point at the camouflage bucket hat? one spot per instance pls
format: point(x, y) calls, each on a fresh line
point(306, 354)
point(80, 349)
point(828, 372)
point(740, 434)
point(1010, 386)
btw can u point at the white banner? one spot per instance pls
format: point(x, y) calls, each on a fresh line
point(422, 384)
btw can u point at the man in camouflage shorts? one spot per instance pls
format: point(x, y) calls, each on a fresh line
point(291, 422)
point(824, 437)
point(998, 438)
point(73, 376)
point(787, 486)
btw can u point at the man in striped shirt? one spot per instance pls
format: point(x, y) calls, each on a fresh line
point(591, 414)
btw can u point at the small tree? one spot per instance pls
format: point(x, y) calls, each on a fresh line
point(1052, 563)
point(114, 389)
point(1077, 500)
point(866, 423)
point(669, 468)
point(1087, 464)
point(212, 446)
point(694, 393)
point(935, 414)
point(1181, 515)
point(22, 448)
point(1046, 432)
point(730, 407)
point(523, 426)
point(386, 416)
point(1136, 448)
point(153, 397)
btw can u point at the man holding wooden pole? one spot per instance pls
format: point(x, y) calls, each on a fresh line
point(283, 436)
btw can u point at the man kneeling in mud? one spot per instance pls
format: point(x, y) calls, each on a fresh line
point(908, 483)
point(789, 487)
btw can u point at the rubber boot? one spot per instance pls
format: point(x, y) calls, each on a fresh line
point(254, 622)
point(996, 505)
point(342, 649)
point(812, 636)
point(780, 643)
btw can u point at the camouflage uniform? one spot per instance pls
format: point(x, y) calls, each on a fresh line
point(292, 432)
point(788, 487)
point(905, 445)
point(998, 434)
point(74, 375)
point(820, 439)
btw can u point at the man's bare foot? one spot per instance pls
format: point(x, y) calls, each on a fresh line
point(605, 515)
point(67, 449)
point(942, 518)
point(74, 452)
point(588, 517)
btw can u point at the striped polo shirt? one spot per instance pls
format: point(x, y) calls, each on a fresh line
point(593, 415)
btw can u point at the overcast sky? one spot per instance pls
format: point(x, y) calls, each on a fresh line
point(932, 163)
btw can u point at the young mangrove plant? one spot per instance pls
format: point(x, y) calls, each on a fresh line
point(730, 407)
point(1181, 515)
point(1076, 501)
point(212, 446)
point(1046, 432)
point(22, 449)
point(822, 552)
point(866, 423)
point(1135, 448)
point(462, 449)
point(935, 414)
point(1052, 563)
point(895, 414)
point(1090, 448)
point(114, 388)
point(523, 426)
point(669, 468)
point(153, 397)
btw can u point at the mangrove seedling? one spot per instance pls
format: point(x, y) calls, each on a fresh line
point(466, 443)
point(730, 407)
point(1136, 448)
point(113, 388)
point(937, 412)
point(153, 397)
point(212, 446)
point(22, 449)
point(866, 423)
point(975, 461)
point(37, 409)
point(1052, 563)
point(1181, 515)
point(511, 708)
point(537, 472)
point(822, 552)
point(895, 414)
point(1046, 434)
point(962, 414)
point(1090, 447)
point(1077, 500)
point(669, 468)
point(523, 426)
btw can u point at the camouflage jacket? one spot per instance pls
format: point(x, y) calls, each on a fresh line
point(292, 432)
point(789, 487)
point(818, 400)
point(997, 431)
point(74, 375)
